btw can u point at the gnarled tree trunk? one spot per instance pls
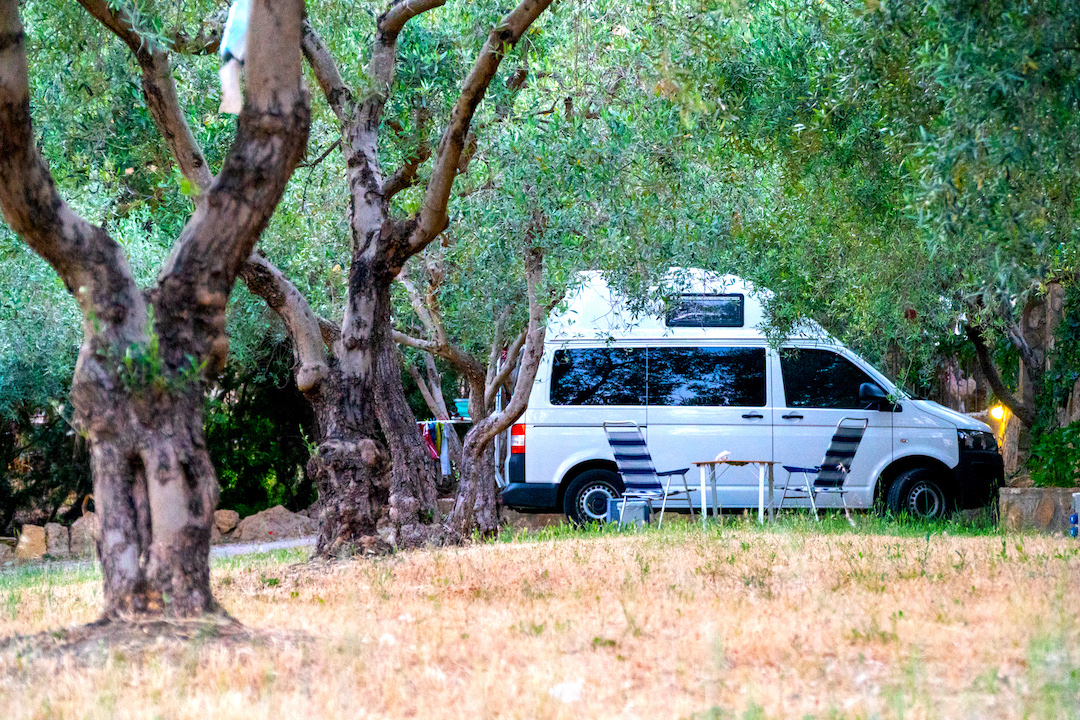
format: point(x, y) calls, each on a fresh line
point(413, 510)
point(138, 389)
point(474, 505)
point(349, 466)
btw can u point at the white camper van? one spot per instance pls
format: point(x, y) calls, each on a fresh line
point(701, 379)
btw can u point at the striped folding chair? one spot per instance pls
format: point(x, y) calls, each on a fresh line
point(834, 469)
point(640, 479)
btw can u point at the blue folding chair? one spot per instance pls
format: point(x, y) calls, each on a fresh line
point(834, 469)
point(640, 479)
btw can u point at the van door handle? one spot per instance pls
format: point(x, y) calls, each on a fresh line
point(750, 415)
point(792, 416)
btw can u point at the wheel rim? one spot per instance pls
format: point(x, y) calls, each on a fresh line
point(925, 500)
point(593, 501)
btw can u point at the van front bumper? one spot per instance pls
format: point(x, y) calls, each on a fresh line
point(979, 474)
point(531, 497)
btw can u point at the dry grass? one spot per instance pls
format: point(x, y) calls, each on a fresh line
point(735, 622)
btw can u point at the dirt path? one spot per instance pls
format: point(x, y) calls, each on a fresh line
point(216, 551)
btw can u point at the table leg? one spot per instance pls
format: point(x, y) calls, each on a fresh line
point(704, 504)
point(772, 507)
point(712, 489)
point(761, 494)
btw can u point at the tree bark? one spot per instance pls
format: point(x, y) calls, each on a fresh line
point(414, 514)
point(349, 466)
point(474, 507)
point(138, 389)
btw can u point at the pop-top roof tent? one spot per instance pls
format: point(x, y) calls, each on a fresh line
point(711, 306)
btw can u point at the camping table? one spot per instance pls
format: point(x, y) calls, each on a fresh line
point(708, 474)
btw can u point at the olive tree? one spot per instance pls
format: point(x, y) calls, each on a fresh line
point(138, 386)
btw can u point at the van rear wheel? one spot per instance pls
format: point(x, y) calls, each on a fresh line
point(918, 493)
point(587, 496)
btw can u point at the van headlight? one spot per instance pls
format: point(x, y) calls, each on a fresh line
point(976, 440)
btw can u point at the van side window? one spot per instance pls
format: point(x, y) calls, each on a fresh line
point(707, 376)
point(821, 379)
point(598, 376)
point(696, 310)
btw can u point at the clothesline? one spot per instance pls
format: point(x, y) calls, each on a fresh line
point(437, 442)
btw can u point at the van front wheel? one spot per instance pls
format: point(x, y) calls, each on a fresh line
point(587, 495)
point(918, 493)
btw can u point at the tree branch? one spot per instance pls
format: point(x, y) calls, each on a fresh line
point(91, 264)
point(292, 307)
point(1030, 357)
point(466, 364)
point(514, 83)
point(497, 342)
point(439, 411)
point(380, 69)
point(405, 176)
point(205, 41)
point(271, 137)
point(323, 155)
point(159, 91)
point(503, 375)
point(338, 95)
point(434, 379)
point(1025, 414)
point(488, 428)
point(432, 218)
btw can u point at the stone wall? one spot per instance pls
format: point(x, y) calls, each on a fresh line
point(1041, 509)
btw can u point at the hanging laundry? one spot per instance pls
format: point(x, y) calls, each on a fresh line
point(444, 453)
point(429, 439)
point(233, 49)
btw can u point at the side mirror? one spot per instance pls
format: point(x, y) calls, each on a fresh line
point(874, 397)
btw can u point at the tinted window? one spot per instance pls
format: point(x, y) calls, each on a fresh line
point(707, 311)
point(821, 379)
point(711, 377)
point(598, 376)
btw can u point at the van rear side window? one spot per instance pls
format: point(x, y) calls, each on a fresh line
point(598, 376)
point(707, 376)
point(707, 311)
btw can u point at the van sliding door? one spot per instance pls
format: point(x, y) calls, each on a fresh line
point(703, 401)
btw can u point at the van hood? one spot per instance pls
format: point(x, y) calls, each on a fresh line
point(961, 421)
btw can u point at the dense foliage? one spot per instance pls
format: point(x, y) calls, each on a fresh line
point(893, 169)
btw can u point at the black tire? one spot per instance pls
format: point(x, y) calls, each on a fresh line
point(586, 496)
point(918, 493)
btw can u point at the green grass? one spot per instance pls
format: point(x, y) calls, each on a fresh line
point(831, 523)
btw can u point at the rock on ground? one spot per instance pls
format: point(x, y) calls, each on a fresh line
point(226, 520)
point(273, 524)
point(32, 544)
point(84, 536)
point(57, 541)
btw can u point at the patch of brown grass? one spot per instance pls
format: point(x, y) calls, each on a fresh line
point(672, 624)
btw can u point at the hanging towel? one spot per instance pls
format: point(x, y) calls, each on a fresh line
point(233, 49)
point(444, 455)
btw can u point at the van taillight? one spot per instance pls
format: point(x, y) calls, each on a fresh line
point(517, 439)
